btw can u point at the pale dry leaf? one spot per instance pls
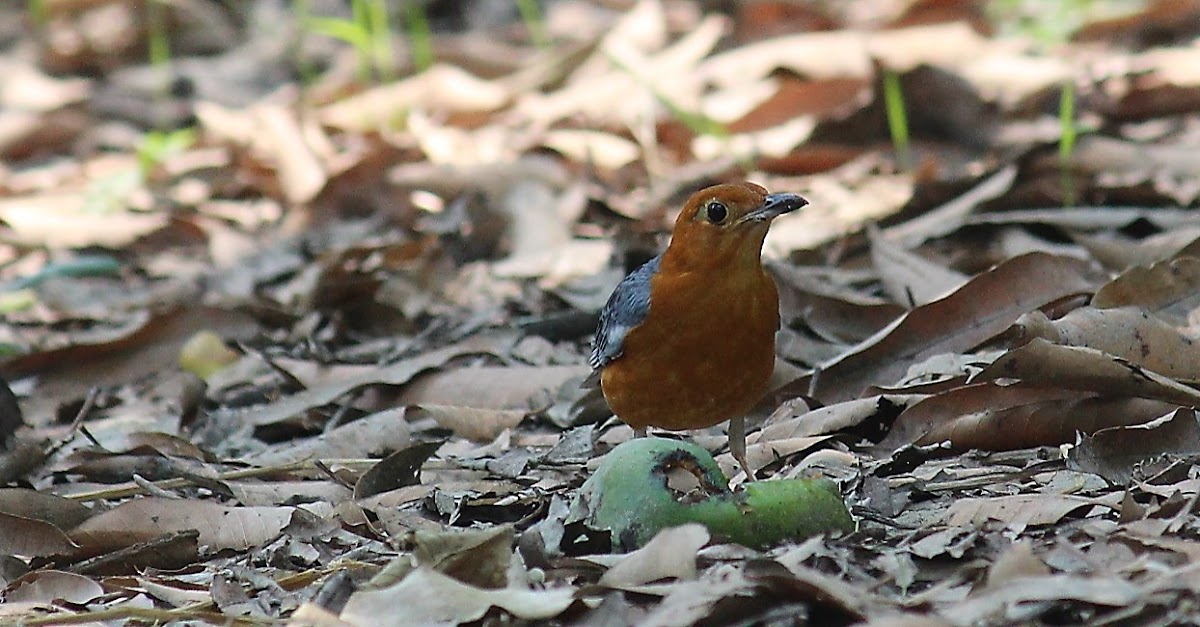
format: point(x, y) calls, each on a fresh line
point(220, 527)
point(785, 424)
point(817, 55)
point(622, 88)
point(431, 598)
point(1015, 562)
point(776, 141)
point(373, 434)
point(50, 586)
point(690, 602)
point(397, 373)
point(1174, 66)
point(947, 218)
point(1019, 511)
point(440, 88)
point(280, 136)
point(838, 206)
point(23, 87)
point(1107, 591)
point(491, 387)
point(273, 493)
point(473, 423)
point(62, 220)
point(1009, 76)
point(606, 150)
point(669, 555)
point(944, 45)
point(174, 595)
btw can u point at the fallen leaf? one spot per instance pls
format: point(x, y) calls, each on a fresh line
point(429, 597)
point(669, 555)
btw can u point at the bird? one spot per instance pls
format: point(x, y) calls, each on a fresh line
point(687, 340)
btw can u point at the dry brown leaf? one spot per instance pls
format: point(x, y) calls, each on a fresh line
point(1072, 367)
point(981, 309)
point(58, 511)
point(1126, 332)
point(1116, 452)
point(150, 345)
point(28, 537)
point(1016, 562)
point(907, 277)
point(1009, 417)
point(1169, 289)
point(812, 295)
point(1121, 253)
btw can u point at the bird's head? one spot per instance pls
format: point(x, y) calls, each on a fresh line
point(726, 224)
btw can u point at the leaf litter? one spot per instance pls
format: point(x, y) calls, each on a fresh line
point(316, 359)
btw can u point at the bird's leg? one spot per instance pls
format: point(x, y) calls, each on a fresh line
point(737, 445)
point(639, 432)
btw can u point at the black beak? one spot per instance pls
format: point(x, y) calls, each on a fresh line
point(774, 206)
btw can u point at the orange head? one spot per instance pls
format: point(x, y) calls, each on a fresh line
point(724, 226)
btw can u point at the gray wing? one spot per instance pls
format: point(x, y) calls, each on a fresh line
point(625, 309)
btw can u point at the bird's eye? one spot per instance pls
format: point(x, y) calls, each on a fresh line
point(716, 211)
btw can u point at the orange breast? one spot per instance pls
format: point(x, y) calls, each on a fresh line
point(703, 355)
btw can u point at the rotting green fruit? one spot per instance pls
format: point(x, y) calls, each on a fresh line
point(628, 496)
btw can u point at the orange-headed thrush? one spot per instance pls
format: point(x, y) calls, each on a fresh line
point(688, 340)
